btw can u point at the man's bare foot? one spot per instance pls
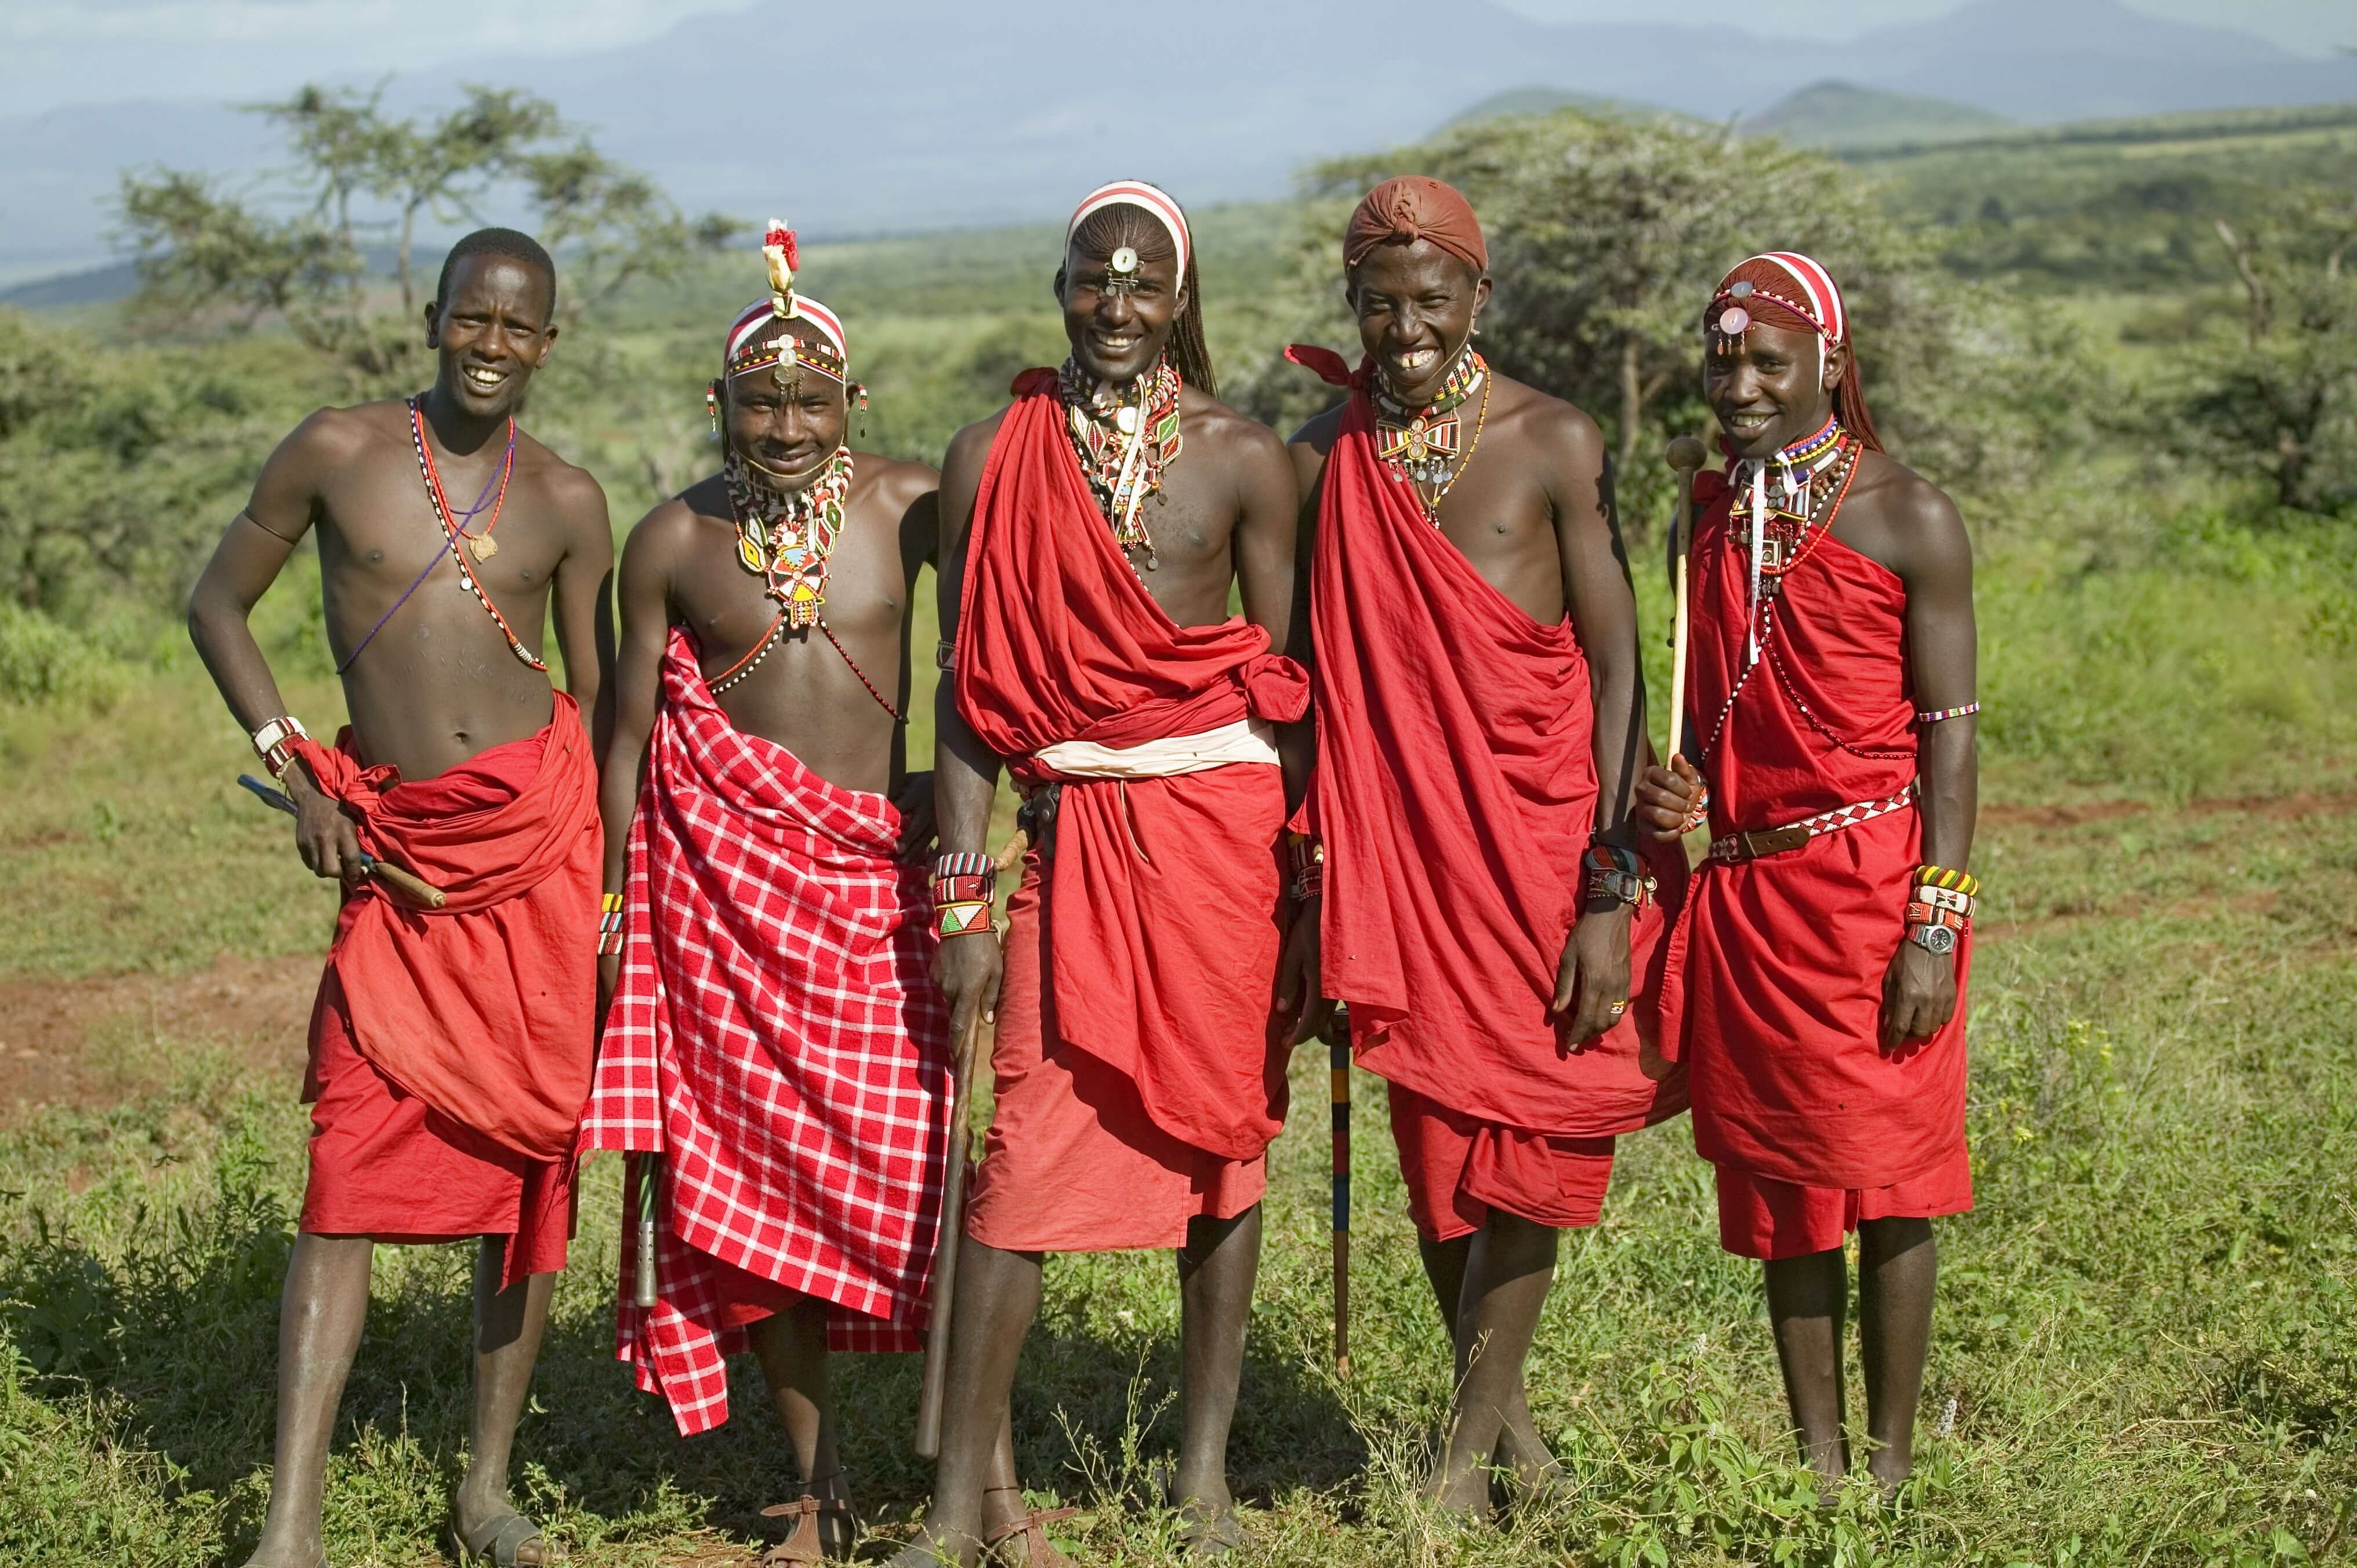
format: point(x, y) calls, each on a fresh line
point(938, 1546)
point(268, 1553)
point(1458, 1493)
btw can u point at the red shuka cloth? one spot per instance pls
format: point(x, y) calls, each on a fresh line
point(482, 1009)
point(1059, 640)
point(1455, 793)
point(777, 1035)
point(1773, 997)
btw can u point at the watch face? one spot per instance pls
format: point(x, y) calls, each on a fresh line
point(1933, 939)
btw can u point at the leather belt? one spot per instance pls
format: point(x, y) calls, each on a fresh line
point(1793, 835)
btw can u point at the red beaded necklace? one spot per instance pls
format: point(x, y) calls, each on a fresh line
point(479, 544)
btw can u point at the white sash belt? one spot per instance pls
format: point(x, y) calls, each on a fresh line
point(1246, 740)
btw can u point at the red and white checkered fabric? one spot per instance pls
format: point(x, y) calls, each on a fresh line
point(777, 1037)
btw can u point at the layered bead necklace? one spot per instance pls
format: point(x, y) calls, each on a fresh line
point(785, 537)
point(483, 546)
point(1421, 446)
point(1125, 438)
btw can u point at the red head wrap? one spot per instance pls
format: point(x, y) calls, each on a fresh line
point(1414, 208)
point(1787, 290)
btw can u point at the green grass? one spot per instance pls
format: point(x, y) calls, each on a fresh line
point(2147, 1345)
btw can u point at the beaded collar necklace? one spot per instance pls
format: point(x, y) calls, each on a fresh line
point(786, 537)
point(1421, 445)
point(1123, 438)
point(1784, 507)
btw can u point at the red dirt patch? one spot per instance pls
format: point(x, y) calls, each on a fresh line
point(261, 1008)
point(2286, 808)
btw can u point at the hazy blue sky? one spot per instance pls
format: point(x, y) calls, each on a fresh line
point(97, 51)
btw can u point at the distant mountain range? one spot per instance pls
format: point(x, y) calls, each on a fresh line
point(922, 114)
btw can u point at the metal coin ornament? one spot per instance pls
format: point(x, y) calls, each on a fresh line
point(788, 371)
point(1125, 419)
point(483, 546)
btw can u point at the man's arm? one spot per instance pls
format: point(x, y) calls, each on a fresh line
point(1935, 560)
point(582, 595)
point(1593, 978)
point(287, 500)
point(648, 561)
point(965, 771)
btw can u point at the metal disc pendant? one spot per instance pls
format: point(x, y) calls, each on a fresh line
point(483, 546)
point(1126, 420)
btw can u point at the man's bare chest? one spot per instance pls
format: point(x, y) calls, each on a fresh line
point(382, 525)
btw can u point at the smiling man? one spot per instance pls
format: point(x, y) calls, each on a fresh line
point(1486, 913)
point(1815, 984)
point(451, 1046)
point(1093, 532)
point(777, 1035)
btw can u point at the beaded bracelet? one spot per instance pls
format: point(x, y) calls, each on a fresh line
point(1700, 814)
point(1963, 882)
point(609, 927)
point(275, 743)
point(1940, 897)
point(945, 655)
point(965, 886)
point(1921, 913)
point(1936, 714)
point(1306, 854)
point(1615, 872)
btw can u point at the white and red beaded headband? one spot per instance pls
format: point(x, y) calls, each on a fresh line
point(1814, 295)
point(1134, 193)
point(750, 342)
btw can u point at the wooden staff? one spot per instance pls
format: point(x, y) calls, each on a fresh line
point(1338, 1062)
point(1686, 455)
point(945, 1258)
point(409, 882)
point(644, 1281)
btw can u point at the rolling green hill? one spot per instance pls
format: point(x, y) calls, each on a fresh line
point(1546, 100)
point(1840, 115)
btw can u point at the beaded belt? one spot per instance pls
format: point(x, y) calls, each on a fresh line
point(1793, 835)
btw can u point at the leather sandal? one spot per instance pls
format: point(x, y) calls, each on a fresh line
point(1023, 1542)
point(803, 1548)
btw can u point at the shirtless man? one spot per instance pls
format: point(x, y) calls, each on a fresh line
point(1091, 535)
point(1485, 910)
point(446, 1100)
point(1815, 982)
point(776, 1039)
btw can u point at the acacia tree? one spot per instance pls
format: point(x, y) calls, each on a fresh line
point(2281, 400)
point(358, 173)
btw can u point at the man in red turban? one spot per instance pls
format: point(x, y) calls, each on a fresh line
point(1814, 986)
point(1486, 914)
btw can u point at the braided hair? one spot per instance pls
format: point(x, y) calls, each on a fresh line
point(1107, 229)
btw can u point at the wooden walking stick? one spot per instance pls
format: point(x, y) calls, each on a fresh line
point(1338, 1062)
point(1686, 455)
point(642, 1286)
point(946, 1257)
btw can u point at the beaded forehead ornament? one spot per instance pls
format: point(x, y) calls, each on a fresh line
point(1152, 200)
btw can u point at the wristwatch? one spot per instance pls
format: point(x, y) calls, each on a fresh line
point(1939, 940)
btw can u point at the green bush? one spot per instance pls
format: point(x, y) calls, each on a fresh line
point(42, 662)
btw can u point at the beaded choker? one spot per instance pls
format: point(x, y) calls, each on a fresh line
point(1123, 438)
point(785, 538)
point(1784, 506)
point(1421, 445)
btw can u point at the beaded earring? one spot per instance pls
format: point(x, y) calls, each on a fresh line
point(712, 406)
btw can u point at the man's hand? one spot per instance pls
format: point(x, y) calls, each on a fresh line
point(323, 833)
point(1591, 983)
point(918, 835)
point(1299, 997)
point(1666, 797)
point(968, 970)
point(1919, 995)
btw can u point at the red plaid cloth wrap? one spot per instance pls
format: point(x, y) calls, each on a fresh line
point(777, 1037)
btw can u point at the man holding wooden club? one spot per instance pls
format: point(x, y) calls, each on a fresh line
point(1815, 982)
point(776, 1044)
point(452, 1043)
point(1487, 915)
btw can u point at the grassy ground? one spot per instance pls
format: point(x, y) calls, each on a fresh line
point(2146, 1347)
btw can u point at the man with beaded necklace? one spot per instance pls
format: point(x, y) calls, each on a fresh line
point(776, 1045)
point(451, 1046)
point(1092, 532)
point(1486, 914)
point(1814, 983)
